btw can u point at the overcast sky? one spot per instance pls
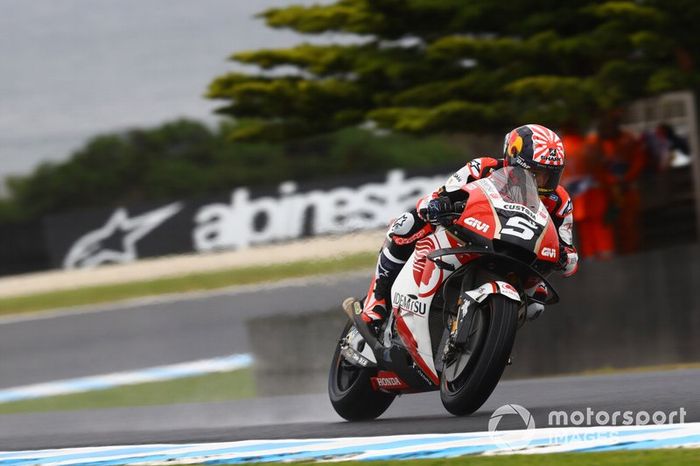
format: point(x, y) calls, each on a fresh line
point(70, 69)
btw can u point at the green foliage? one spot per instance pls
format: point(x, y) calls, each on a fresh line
point(658, 457)
point(185, 159)
point(428, 66)
point(418, 66)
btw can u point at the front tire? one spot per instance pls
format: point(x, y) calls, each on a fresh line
point(350, 389)
point(467, 391)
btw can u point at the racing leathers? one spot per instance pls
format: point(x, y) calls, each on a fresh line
point(419, 222)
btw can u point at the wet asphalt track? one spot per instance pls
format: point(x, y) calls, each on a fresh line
point(312, 416)
point(201, 326)
point(143, 334)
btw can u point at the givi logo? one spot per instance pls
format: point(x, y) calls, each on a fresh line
point(478, 224)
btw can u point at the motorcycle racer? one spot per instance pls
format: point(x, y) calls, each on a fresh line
point(533, 147)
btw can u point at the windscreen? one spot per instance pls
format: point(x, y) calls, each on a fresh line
point(516, 185)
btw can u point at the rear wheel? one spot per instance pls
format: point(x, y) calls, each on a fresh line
point(350, 389)
point(471, 374)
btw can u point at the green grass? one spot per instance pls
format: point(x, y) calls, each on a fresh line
point(192, 282)
point(222, 386)
point(675, 457)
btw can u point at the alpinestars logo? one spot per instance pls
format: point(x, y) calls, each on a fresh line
point(115, 242)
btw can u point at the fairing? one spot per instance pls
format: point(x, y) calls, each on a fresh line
point(503, 209)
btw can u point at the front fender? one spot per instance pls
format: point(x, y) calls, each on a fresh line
point(477, 296)
point(494, 287)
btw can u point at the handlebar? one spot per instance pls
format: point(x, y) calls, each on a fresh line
point(456, 211)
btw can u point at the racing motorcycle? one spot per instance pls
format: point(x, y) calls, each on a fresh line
point(456, 304)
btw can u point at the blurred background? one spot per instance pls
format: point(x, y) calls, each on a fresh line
point(161, 147)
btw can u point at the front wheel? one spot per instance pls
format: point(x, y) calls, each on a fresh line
point(471, 374)
point(350, 389)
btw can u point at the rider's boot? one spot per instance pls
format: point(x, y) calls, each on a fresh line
point(401, 240)
point(378, 302)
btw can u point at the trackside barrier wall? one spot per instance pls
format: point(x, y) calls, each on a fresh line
point(631, 311)
point(292, 353)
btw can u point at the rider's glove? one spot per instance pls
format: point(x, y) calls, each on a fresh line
point(437, 210)
point(568, 260)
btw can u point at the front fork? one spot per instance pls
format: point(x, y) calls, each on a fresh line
point(460, 326)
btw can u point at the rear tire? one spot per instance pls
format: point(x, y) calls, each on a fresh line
point(468, 391)
point(350, 389)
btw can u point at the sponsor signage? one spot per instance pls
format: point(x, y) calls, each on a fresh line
point(478, 224)
point(355, 357)
point(520, 209)
point(387, 380)
point(238, 220)
point(410, 303)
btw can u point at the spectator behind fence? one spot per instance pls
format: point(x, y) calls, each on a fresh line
point(619, 158)
point(669, 149)
point(584, 179)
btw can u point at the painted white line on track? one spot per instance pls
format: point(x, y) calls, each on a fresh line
point(118, 379)
point(176, 297)
point(386, 448)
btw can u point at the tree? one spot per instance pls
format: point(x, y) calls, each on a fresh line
point(184, 159)
point(425, 66)
point(175, 160)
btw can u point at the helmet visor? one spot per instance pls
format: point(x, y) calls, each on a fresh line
point(547, 179)
point(541, 177)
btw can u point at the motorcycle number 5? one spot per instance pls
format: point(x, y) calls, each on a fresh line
point(520, 227)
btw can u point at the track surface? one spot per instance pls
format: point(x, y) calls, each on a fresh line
point(185, 328)
point(142, 334)
point(312, 415)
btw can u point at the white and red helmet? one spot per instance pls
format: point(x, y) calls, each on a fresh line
point(538, 149)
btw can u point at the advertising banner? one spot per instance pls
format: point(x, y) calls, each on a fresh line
point(242, 218)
